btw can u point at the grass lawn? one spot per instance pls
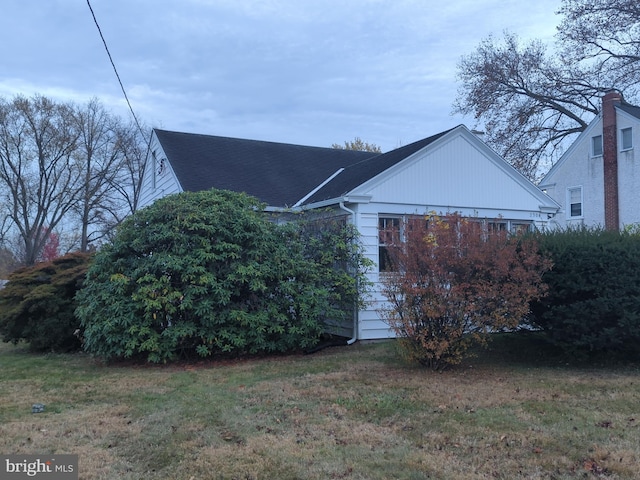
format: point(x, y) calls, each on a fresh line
point(353, 412)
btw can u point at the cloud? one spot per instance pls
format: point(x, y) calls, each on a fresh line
point(281, 70)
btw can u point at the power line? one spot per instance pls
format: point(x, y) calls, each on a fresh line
point(115, 69)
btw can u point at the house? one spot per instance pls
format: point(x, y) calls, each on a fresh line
point(597, 180)
point(453, 171)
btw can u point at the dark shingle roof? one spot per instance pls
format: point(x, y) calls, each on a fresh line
point(278, 174)
point(630, 109)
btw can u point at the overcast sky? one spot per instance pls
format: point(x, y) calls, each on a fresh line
point(295, 71)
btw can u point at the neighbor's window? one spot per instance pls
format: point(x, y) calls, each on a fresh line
point(575, 202)
point(627, 138)
point(388, 234)
point(596, 146)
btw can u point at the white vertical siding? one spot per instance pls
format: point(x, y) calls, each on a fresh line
point(629, 174)
point(157, 183)
point(370, 325)
point(459, 174)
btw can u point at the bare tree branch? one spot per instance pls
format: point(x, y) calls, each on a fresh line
point(532, 102)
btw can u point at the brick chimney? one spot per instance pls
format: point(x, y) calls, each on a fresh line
point(610, 159)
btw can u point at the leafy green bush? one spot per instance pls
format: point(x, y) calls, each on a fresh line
point(205, 273)
point(37, 304)
point(338, 267)
point(593, 304)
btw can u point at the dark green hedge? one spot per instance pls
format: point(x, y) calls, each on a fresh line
point(593, 304)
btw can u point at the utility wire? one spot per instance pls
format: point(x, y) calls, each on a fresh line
point(115, 70)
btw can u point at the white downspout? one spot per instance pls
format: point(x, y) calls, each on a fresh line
point(352, 340)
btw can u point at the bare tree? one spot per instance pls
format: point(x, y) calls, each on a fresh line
point(40, 177)
point(134, 145)
point(110, 158)
point(532, 100)
point(607, 32)
point(73, 172)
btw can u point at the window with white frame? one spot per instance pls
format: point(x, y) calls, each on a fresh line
point(520, 228)
point(574, 201)
point(596, 146)
point(388, 235)
point(626, 138)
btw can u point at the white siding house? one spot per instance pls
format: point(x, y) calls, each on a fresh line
point(453, 171)
point(597, 180)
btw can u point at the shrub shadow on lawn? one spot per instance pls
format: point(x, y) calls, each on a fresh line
point(533, 349)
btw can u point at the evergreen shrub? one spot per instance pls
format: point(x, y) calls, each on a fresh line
point(593, 302)
point(209, 273)
point(37, 304)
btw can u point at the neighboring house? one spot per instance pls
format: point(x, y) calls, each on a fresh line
point(453, 171)
point(597, 180)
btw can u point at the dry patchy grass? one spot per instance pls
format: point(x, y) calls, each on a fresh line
point(347, 413)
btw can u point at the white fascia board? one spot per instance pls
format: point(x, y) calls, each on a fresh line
point(336, 201)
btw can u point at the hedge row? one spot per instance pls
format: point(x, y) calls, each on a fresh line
point(593, 303)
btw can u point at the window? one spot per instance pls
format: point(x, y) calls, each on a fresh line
point(153, 169)
point(596, 146)
point(626, 138)
point(497, 226)
point(575, 202)
point(520, 228)
point(388, 234)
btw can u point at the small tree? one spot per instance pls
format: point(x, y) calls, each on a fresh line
point(454, 281)
point(51, 249)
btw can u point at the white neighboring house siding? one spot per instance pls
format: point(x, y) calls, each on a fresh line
point(465, 181)
point(629, 171)
point(580, 168)
point(586, 173)
point(159, 179)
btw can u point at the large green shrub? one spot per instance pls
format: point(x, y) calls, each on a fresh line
point(37, 304)
point(332, 247)
point(204, 273)
point(593, 304)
